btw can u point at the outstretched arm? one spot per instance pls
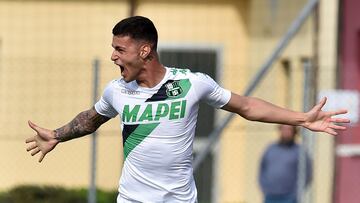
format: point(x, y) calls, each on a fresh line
point(46, 140)
point(84, 123)
point(258, 110)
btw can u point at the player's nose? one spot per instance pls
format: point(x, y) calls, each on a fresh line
point(114, 56)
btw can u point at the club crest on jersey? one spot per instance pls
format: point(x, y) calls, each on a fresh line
point(173, 89)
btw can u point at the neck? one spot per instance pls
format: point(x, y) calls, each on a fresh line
point(152, 74)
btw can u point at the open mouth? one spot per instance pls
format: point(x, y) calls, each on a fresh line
point(121, 68)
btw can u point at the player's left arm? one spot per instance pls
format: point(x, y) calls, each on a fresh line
point(255, 109)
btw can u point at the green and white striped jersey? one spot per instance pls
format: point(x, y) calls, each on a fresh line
point(158, 127)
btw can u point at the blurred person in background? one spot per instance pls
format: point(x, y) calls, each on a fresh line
point(158, 106)
point(278, 172)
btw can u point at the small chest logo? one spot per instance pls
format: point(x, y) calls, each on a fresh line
point(173, 89)
point(130, 92)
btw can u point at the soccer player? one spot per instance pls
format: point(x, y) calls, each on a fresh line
point(158, 106)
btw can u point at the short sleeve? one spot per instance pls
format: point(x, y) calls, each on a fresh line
point(210, 91)
point(104, 105)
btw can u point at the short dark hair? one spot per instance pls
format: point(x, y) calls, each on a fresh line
point(138, 28)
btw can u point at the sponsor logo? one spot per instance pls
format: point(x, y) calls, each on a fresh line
point(154, 112)
point(130, 92)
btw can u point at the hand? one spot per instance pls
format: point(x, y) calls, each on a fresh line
point(43, 142)
point(320, 121)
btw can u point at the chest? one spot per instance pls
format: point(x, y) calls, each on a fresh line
point(168, 103)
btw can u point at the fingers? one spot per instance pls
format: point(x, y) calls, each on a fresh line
point(41, 157)
point(332, 127)
point(35, 151)
point(31, 147)
point(341, 111)
point(34, 147)
point(331, 131)
point(30, 139)
point(337, 127)
point(339, 120)
point(321, 103)
point(33, 126)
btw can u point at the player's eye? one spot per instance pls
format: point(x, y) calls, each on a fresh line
point(120, 50)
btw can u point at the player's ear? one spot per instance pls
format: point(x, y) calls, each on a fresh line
point(145, 51)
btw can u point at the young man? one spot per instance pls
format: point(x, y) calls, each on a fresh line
point(278, 172)
point(158, 107)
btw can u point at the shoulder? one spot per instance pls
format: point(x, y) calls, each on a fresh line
point(202, 83)
point(178, 73)
point(117, 83)
point(272, 147)
point(296, 147)
point(112, 86)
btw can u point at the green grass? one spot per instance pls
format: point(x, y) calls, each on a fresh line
point(53, 194)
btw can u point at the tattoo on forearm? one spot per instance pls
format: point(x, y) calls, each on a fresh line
point(84, 123)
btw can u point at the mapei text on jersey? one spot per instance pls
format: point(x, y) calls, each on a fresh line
point(154, 111)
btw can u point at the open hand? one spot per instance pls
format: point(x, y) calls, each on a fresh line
point(321, 121)
point(44, 141)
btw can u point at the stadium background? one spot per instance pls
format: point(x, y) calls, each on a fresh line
point(47, 50)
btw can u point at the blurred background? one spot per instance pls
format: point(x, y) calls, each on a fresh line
point(50, 49)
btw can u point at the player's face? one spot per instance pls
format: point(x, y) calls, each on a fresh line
point(126, 55)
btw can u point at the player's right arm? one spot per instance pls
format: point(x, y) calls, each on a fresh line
point(46, 140)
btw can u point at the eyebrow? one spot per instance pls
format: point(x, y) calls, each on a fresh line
point(118, 47)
